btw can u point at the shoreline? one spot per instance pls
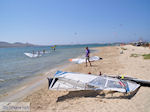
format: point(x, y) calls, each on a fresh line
point(35, 83)
point(113, 63)
point(30, 85)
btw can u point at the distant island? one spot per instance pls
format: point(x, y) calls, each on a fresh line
point(19, 44)
point(16, 44)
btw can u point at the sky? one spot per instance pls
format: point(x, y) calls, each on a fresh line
point(46, 22)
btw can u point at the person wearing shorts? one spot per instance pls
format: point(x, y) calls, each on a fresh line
point(87, 56)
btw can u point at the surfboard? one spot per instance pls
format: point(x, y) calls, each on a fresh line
point(82, 60)
point(32, 55)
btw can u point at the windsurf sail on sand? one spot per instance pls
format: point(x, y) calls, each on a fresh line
point(76, 81)
point(82, 60)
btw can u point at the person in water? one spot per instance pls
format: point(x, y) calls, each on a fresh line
point(44, 51)
point(87, 59)
point(38, 53)
point(33, 52)
point(54, 49)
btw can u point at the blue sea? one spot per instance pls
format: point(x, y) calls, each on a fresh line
point(15, 66)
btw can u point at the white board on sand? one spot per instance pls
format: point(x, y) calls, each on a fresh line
point(82, 60)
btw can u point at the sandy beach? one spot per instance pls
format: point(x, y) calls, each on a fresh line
point(44, 46)
point(113, 63)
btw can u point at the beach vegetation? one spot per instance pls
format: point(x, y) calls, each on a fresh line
point(146, 56)
point(135, 55)
point(123, 48)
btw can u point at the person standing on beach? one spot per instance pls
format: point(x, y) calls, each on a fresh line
point(87, 56)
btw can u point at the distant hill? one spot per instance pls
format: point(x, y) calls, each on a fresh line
point(16, 44)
